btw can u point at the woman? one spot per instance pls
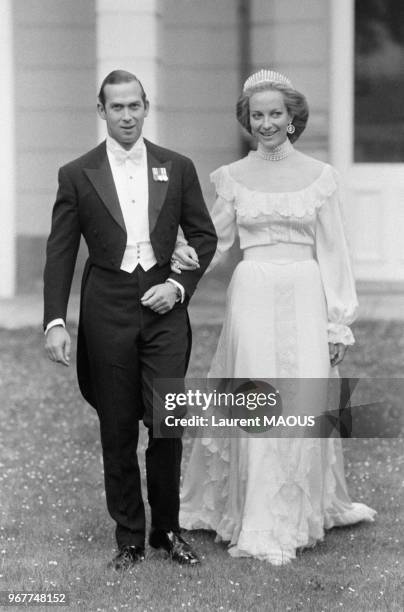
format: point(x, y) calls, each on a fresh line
point(289, 305)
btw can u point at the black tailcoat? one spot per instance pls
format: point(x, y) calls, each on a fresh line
point(123, 346)
point(87, 204)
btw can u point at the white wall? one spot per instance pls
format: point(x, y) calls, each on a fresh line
point(55, 98)
point(129, 37)
point(293, 37)
point(7, 153)
point(200, 82)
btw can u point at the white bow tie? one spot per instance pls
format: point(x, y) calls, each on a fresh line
point(135, 155)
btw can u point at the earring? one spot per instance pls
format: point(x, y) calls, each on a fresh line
point(291, 128)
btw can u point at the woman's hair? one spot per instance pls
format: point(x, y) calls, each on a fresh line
point(295, 103)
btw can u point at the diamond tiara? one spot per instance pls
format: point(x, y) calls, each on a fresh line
point(266, 76)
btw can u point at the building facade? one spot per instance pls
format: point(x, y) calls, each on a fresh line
point(192, 57)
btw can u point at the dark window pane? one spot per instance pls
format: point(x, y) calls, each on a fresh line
point(379, 81)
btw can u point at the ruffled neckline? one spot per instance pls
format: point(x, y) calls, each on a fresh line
point(298, 203)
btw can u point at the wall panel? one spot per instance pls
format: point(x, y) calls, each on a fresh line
point(55, 93)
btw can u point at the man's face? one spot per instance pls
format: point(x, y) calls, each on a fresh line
point(124, 112)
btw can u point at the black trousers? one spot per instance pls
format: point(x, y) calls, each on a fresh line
point(128, 346)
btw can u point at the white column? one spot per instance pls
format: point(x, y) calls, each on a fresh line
point(128, 38)
point(341, 83)
point(7, 154)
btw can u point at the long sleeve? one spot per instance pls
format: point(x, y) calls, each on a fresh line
point(336, 272)
point(197, 229)
point(223, 213)
point(61, 251)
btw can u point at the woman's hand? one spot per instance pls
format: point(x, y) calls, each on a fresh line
point(337, 352)
point(184, 258)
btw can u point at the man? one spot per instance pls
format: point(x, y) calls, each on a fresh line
point(128, 198)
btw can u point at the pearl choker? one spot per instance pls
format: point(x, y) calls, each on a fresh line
point(278, 153)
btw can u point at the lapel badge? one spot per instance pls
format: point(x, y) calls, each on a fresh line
point(160, 174)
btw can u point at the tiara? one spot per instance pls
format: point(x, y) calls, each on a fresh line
point(266, 76)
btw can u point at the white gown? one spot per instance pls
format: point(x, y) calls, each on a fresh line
point(268, 497)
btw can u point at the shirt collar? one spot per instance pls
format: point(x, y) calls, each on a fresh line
point(113, 145)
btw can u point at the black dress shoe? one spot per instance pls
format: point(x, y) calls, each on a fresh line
point(175, 545)
point(127, 557)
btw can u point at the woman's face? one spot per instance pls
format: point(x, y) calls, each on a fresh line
point(269, 118)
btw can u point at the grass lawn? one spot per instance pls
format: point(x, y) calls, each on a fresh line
point(56, 535)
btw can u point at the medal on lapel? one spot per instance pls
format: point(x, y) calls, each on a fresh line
point(159, 174)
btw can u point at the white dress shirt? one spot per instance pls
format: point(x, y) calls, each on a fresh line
point(129, 171)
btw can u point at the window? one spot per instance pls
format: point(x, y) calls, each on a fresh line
point(379, 81)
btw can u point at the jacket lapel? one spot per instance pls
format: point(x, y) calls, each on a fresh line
point(103, 182)
point(101, 178)
point(157, 189)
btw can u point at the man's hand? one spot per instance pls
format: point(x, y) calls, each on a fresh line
point(337, 352)
point(57, 345)
point(160, 298)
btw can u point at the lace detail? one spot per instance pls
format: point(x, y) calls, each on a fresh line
point(285, 323)
point(213, 454)
point(337, 332)
point(253, 203)
point(298, 508)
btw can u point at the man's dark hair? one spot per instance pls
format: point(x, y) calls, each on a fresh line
point(120, 76)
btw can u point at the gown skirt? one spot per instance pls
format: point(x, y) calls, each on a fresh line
point(269, 496)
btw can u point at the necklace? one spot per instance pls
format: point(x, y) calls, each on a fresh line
point(278, 153)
